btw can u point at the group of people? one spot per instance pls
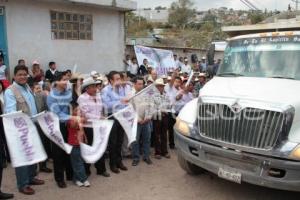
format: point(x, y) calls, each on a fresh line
point(77, 99)
point(182, 64)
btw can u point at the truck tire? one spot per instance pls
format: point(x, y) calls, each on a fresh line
point(190, 168)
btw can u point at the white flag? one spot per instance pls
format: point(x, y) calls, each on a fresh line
point(24, 143)
point(91, 154)
point(49, 123)
point(128, 119)
point(190, 79)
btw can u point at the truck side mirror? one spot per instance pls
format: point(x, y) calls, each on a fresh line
point(211, 54)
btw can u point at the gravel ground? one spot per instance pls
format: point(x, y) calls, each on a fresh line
point(163, 180)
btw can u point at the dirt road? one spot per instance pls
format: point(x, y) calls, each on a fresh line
point(164, 180)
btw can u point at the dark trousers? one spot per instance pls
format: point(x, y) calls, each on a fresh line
point(100, 164)
point(4, 147)
point(171, 123)
point(160, 135)
point(1, 161)
point(116, 139)
point(61, 160)
point(47, 145)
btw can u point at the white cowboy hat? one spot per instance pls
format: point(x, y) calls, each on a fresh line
point(94, 74)
point(159, 81)
point(89, 81)
point(202, 75)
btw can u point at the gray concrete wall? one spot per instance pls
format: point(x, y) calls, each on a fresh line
point(29, 37)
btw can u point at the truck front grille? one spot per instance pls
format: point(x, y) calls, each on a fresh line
point(251, 127)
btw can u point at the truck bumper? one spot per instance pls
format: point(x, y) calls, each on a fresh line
point(255, 169)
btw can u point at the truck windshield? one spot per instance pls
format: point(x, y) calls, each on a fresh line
point(271, 57)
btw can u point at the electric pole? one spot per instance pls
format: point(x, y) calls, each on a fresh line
point(297, 3)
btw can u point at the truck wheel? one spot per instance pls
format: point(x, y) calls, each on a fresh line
point(190, 168)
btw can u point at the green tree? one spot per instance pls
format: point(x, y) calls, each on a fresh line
point(256, 17)
point(181, 13)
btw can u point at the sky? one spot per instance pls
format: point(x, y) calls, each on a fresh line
point(235, 4)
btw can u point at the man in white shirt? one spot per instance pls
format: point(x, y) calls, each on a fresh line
point(133, 67)
point(177, 62)
point(172, 89)
point(184, 96)
point(127, 62)
point(143, 109)
point(186, 68)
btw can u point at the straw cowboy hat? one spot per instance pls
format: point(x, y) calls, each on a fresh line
point(94, 74)
point(159, 81)
point(89, 81)
point(202, 75)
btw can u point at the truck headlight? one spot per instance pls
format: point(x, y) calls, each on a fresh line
point(296, 153)
point(182, 127)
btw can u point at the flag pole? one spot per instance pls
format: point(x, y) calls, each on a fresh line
point(12, 113)
point(137, 94)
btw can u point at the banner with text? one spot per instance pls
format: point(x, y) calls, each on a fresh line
point(24, 143)
point(49, 123)
point(160, 59)
point(101, 132)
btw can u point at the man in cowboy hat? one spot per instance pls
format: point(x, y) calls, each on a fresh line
point(91, 108)
point(199, 85)
point(160, 120)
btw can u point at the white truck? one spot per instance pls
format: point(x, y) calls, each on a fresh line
point(245, 125)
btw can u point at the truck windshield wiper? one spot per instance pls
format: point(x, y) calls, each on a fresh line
point(230, 74)
point(282, 77)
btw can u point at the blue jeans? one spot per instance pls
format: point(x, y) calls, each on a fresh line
point(25, 175)
point(144, 132)
point(78, 165)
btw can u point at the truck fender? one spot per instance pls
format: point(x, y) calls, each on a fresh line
point(189, 112)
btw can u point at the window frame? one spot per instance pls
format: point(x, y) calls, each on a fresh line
point(71, 26)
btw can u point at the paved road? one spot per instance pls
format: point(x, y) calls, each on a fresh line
point(164, 180)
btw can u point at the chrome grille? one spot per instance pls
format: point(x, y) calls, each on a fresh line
point(250, 127)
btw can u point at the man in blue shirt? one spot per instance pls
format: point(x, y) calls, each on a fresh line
point(58, 102)
point(114, 99)
point(18, 97)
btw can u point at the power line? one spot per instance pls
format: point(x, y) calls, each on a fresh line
point(260, 3)
point(297, 2)
point(251, 4)
point(247, 4)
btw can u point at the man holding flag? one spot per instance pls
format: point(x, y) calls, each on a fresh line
point(114, 98)
point(143, 108)
point(58, 102)
point(91, 108)
point(19, 97)
point(171, 89)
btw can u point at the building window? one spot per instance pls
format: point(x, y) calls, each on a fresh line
point(71, 26)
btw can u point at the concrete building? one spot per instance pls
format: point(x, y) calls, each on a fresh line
point(89, 34)
point(288, 21)
point(160, 16)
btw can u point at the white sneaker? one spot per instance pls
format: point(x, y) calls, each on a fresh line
point(79, 184)
point(86, 184)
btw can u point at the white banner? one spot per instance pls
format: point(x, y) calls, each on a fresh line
point(128, 119)
point(160, 59)
point(49, 123)
point(24, 143)
point(91, 154)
